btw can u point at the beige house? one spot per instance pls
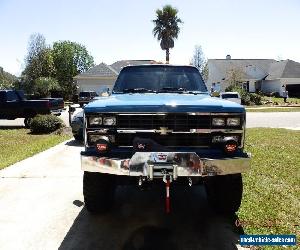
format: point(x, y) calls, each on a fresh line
point(103, 76)
point(266, 75)
point(98, 78)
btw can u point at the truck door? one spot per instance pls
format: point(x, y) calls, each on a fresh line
point(3, 105)
point(12, 106)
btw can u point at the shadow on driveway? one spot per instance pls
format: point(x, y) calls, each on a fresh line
point(137, 221)
point(74, 143)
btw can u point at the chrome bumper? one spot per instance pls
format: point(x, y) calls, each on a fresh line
point(156, 164)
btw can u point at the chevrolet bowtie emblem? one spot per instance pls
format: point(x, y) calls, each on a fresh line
point(163, 130)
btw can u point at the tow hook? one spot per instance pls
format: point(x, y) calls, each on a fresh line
point(167, 179)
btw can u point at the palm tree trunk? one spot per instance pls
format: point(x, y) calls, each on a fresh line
point(167, 56)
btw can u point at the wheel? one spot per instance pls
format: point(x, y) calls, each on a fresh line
point(27, 122)
point(78, 138)
point(98, 192)
point(224, 193)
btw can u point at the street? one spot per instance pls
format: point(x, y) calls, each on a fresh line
point(289, 120)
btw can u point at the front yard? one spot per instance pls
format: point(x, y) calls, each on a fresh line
point(18, 144)
point(273, 109)
point(271, 203)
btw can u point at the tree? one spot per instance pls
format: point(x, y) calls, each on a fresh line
point(44, 85)
point(38, 62)
point(234, 76)
point(166, 28)
point(7, 81)
point(70, 59)
point(200, 62)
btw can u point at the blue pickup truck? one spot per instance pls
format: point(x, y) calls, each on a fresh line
point(161, 124)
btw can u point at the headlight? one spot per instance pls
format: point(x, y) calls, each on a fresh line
point(233, 122)
point(109, 121)
point(218, 121)
point(95, 120)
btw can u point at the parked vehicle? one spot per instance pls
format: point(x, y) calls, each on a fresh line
point(161, 124)
point(85, 97)
point(77, 125)
point(231, 96)
point(14, 105)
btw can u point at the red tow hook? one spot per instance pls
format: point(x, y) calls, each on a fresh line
point(168, 207)
point(167, 179)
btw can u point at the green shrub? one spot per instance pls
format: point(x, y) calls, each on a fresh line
point(255, 99)
point(247, 98)
point(45, 124)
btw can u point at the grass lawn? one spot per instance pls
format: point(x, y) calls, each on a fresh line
point(271, 203)
point(280, 101)
point(17, 144)
point(279, 109)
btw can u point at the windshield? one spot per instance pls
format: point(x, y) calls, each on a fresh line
point(84, 94)
point(224, 96)
point(159, 78)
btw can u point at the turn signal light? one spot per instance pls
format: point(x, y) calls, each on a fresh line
point(230, 148)
point(102, 147)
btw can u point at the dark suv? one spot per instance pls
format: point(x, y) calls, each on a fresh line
point(85, 97)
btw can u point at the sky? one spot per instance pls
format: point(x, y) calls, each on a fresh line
point(122, 30)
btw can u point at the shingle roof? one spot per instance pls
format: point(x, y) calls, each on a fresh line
point(100, 70)
point(252, 68)
point(119, 65)
point(284, 69)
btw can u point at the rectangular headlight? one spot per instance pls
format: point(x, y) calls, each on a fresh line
point(109, 121)
point(233, 122)
point(217, 121)
point(95, 120)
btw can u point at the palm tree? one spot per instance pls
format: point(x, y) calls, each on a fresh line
point(166, 28)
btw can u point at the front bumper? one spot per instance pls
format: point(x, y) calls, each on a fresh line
point(157, 164)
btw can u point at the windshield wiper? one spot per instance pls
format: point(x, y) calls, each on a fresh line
point(172, 89)
point(137, 90)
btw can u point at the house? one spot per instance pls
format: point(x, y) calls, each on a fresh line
point(103, 76)
point(266, 75)
point(283, 73)
point(97, 79)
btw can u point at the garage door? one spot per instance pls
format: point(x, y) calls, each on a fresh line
point(293, 89)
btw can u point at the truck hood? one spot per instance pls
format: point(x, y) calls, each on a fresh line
point(162, 102)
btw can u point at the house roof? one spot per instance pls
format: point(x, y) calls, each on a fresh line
point(284, 69)
point(104, 70)
point(119, 65)
point(251, 68)
point(100, 70)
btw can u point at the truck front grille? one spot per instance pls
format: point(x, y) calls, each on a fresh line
point(176, 122)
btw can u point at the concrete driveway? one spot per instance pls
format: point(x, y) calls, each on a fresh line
point(42, 208)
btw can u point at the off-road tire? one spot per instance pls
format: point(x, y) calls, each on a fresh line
point(98, 192)
point(224, 193)
point(78, 138)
